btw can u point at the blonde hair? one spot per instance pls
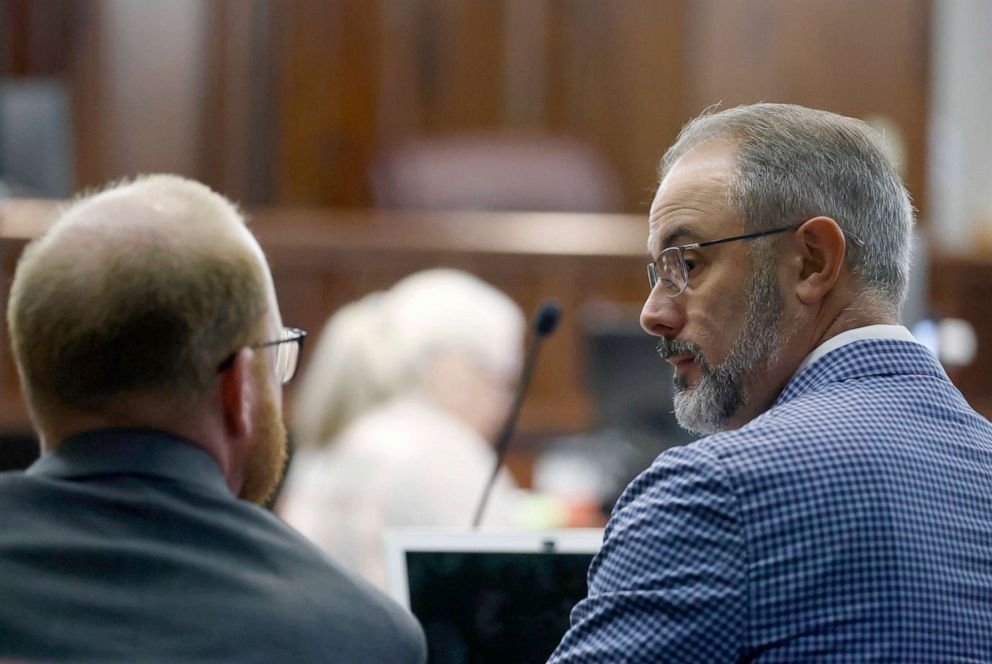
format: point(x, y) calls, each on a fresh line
point(350, 371)
point(444, 309)
point(379, 347)
point(146, 285)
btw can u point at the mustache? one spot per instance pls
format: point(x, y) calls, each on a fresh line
point(670, 347)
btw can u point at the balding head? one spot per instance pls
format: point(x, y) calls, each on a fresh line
point(144, 288)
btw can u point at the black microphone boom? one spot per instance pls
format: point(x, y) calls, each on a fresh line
point(545, 322)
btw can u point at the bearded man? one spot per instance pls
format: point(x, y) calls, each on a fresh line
point(840, 508)
point(152, 355)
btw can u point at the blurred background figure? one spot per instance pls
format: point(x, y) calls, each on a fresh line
point(351, 371)
point(396, 414)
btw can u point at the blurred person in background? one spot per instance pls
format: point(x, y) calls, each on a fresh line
point(397, 413)
point(152, 355)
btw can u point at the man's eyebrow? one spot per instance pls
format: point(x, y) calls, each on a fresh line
point(681, 231)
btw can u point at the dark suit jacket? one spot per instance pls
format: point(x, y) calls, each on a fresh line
point(126, 545)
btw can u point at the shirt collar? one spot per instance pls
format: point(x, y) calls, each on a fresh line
point(146, 452)
point(897, 332)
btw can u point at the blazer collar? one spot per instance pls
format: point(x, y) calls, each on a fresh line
point(863, 359)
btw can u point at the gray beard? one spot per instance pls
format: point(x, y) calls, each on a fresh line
point(720, 393)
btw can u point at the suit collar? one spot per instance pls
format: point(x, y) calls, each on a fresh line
point(856, 334)
point(864, 359)
point(145, 452)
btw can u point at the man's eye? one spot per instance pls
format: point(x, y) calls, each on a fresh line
point(690, 264)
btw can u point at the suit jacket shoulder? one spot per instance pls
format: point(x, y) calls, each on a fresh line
point(849, 522)
point(127, 546)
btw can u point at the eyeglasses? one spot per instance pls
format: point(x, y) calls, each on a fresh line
point(288, 350)
point(671, 269)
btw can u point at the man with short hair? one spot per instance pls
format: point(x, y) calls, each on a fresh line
point(840, 508)
point(151, 353)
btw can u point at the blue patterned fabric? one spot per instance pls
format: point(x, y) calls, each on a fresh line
point(851, 522)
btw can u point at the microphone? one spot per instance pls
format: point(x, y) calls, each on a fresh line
point(545, 321)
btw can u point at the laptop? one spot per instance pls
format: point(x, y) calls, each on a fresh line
point(490, 596)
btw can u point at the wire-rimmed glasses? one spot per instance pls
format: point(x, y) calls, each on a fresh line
point(671, 271)
point(288, 351)
point(289, 347)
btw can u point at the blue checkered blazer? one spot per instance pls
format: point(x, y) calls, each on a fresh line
point(851, 522)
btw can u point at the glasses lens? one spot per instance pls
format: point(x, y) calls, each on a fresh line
point(672, 270)
point(289, 354)
point(652, 275)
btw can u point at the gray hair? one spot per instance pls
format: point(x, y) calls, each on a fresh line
point(795, 163)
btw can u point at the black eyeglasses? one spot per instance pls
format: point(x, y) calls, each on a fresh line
point(672, 272)
point(288, 351)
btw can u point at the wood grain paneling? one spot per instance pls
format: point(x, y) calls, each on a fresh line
point(616, 82)
point(303, 94)
point(854, 57)
point(61, 39)
point(622, 76)
point(959, 289)
point(327, 78)
point(34, 35)
point(240, 110)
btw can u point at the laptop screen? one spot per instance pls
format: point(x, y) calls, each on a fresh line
point(484, 597)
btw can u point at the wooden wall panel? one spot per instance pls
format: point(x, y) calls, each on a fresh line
point(34, 34)
point(303, 94)
point(602, 72)
point(855, 57)
point(461, 65)
point(442, 68)
point(226, 127)
point(86, 88)
point(61, 39)
point(616, 82)
point(326, 84)
point(621, 75)
point(239, 107)
point(959, 288)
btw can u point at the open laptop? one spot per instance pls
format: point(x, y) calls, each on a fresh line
point(490, 596)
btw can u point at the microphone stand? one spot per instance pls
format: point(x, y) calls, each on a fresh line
point(546, 321)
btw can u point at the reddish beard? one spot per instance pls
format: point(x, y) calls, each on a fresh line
point(267, 449)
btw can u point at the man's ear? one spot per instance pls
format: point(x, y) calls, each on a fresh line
point(237, 394)
point(821, 247)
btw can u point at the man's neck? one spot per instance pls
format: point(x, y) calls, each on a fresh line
point(861, 312)
point(831, 319)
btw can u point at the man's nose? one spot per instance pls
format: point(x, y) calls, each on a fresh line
point(662, 315)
